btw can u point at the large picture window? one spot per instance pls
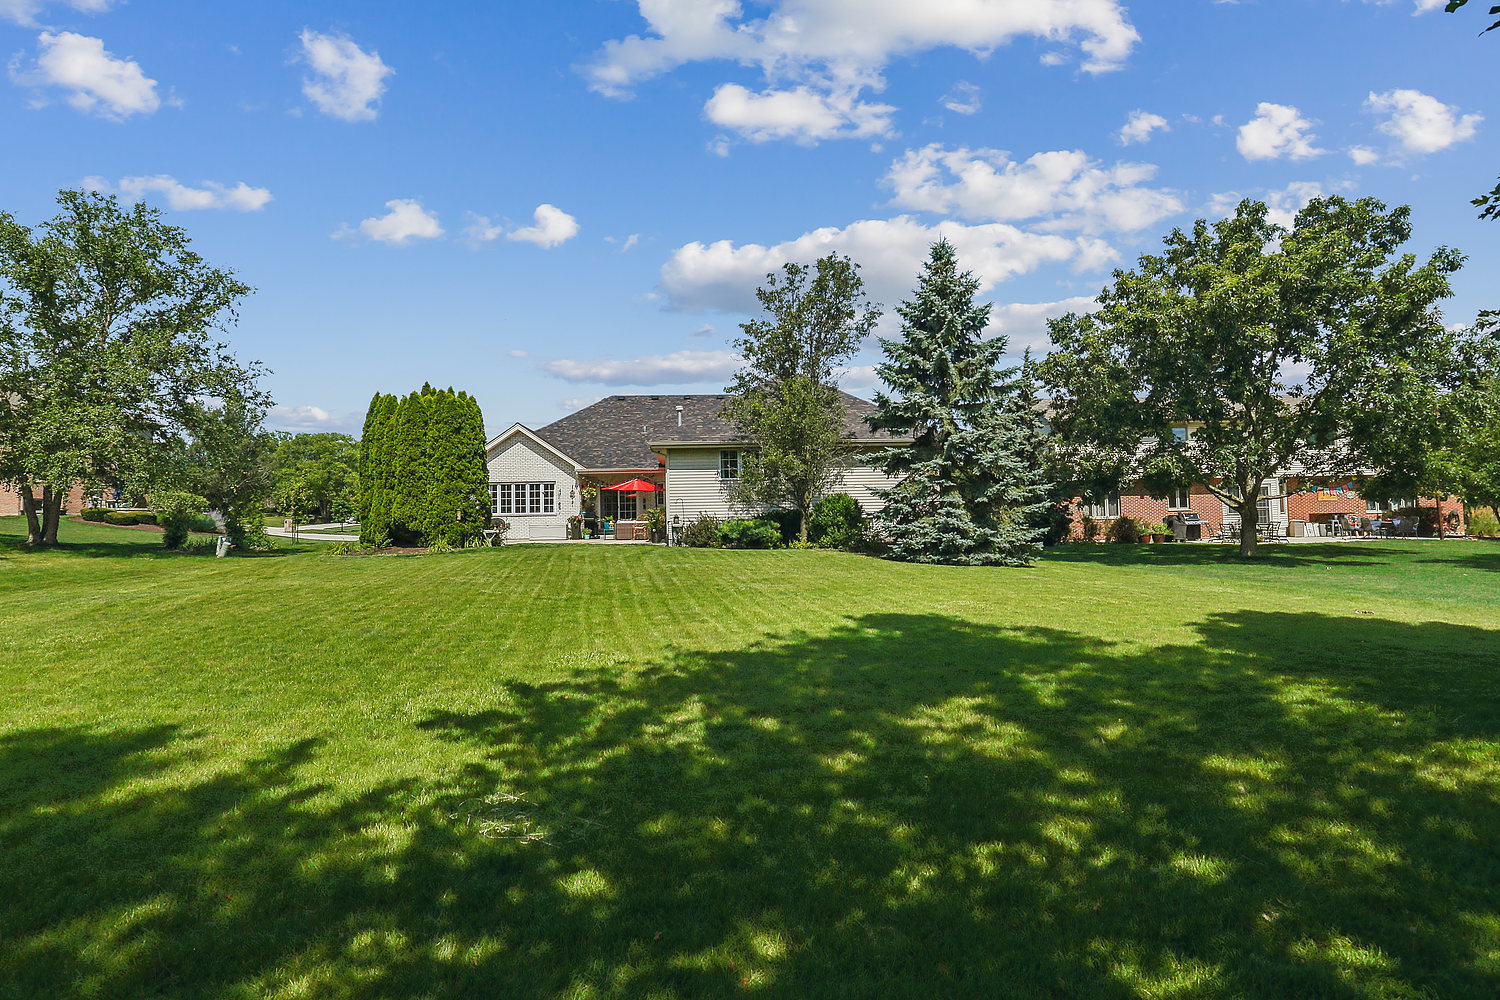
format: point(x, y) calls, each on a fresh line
point(523, 498)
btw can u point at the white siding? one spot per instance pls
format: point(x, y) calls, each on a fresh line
point(518, 459)
point(694, 487)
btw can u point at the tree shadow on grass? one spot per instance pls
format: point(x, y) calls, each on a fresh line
point(1294, 805)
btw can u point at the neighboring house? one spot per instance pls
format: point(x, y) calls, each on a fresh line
point(1288, 500)
point(682, 444)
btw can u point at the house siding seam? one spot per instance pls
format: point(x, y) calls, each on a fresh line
point(520, 460)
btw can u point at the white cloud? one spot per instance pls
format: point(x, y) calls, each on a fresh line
point(481, 230)
point(553, 227)
point(95, 80)
point(1277, 130)
point(347, 81)
point(1064, 187)
point(859, 378)
point(1363, 156)
point(724, 276)
point(1421, 123)
point(1282, 205)
point(578, 402)
point(182, 198)
point(312, 419)
point(818, 55)
point(664, 369)
point(706, 330)
point(406, 220)
point(849, 40)
point(801, 114)
point(1139, 126)
point(24, 12)
point(1024, 324)
point(964, 100)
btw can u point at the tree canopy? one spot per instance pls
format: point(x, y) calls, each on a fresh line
point(316, 475)
point(1246, 349)
point(970, 486)
point(423, 477)
point(108, 349)
point(785, 400)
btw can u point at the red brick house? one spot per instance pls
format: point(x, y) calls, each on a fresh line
point(1289, 503)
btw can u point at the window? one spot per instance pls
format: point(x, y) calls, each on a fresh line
point(1110, 507)
point(1179, 434)
point(1386, 506)
point(523, 498)
point(1179, 499)
point(729, 464)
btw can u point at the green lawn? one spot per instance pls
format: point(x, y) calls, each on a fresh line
point(593, 771)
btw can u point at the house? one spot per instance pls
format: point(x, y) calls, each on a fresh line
point(680, 443)
point(10, 500)
point(1289, 501)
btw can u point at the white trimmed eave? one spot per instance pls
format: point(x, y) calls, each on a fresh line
point(531, 436)
point(874, 442)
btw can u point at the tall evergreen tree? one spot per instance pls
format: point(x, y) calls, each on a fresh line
point(375, 475)
point(474, 469)
point(970, 490)
point(409, 468)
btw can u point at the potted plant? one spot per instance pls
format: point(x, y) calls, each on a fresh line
point(575, 526)
point(1143, 530)
point(1159, 532)
point(656, 522)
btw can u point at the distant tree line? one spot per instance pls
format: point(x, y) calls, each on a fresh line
point(423, 477)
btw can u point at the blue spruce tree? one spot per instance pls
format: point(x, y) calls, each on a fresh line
point(970, 491)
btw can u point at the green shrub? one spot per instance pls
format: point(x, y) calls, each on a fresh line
point(702, 533)
point(96, 514)
point(1483, 522)
point(837, 522)
point(438, 546)
point(145, 517)
point(760, 533)
point(342, 549)
point(1089, 528)
point(1123, 529)
point(789, 521)
point(121, 519)
point(176, 510)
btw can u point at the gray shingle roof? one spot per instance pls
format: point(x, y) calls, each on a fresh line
point(613, 433)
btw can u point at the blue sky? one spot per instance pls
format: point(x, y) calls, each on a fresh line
point(549, 203)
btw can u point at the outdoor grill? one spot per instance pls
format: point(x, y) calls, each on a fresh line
point(1194, 524)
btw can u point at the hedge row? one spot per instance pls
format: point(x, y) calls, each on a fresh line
point(122, 518)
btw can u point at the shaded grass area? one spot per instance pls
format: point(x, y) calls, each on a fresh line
point(580, 771)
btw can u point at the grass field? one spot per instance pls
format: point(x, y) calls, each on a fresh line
point(592, 771)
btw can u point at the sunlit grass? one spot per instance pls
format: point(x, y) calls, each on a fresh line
point(634, 772)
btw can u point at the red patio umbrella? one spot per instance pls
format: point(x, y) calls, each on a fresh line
point(634, 486)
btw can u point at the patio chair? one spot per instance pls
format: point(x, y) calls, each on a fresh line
point(1274, 532)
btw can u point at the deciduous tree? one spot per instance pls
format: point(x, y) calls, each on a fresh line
point(108, 321)
point(1247, 349)
point(785, 400)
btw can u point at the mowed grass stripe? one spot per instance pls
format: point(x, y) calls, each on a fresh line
point(605, 771)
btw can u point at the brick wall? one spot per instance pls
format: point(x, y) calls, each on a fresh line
point(1307, 506)
point(10, 501)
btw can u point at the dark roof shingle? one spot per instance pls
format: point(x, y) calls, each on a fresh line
point(613, 433)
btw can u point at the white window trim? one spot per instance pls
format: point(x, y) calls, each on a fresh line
point(541, 495)
point(737, 461)
point(1101, 511)
point(1187, 496)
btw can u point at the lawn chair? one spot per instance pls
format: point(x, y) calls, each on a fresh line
point(1229, 531)
point(1275, 532)
point(494, 531)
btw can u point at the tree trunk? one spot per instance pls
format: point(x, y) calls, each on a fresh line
point(33, 522)
point(802, 518)
point(1249, 524)
point(51, 506)
point(1438, 506)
